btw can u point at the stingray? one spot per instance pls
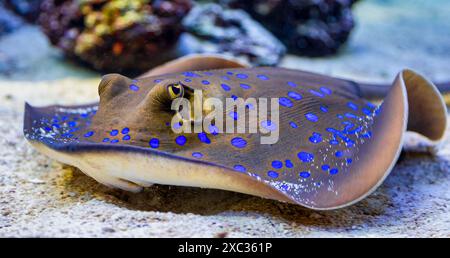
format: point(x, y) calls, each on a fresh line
point(333, 149)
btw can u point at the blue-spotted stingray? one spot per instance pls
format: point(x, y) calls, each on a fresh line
point(334, 148)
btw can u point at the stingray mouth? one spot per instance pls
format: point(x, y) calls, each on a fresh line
point(331, 148)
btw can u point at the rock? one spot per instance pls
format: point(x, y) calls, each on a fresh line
point(215, 29)
point(29, 9)
point(115, 36)
point(307, 27)
point(8, 21)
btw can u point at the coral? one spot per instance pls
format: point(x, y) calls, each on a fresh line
point(118, 35)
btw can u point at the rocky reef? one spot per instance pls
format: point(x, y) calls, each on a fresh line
point(117, 35)
point(215, 29)
point(8, 21)
point(132, 36)
point(306, 27)
point(28, 9)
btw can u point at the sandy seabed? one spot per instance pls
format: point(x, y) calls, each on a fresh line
point(43, 198)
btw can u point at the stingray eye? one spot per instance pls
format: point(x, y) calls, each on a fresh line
point(175, 90)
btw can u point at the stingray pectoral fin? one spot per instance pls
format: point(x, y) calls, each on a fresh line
point(413, 103)
point(132, 170)
point(427, 109)
point(196, 62)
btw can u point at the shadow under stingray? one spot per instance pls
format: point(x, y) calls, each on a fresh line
point(208, 202)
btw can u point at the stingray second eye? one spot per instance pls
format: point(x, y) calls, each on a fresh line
point(175, 90)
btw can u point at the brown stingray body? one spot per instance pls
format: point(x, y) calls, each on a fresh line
point(334, 146)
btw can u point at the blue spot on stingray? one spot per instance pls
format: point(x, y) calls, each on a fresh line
point(241, 76)
point(334, 171)
point(305, 156)
point(339, 116)
point(272, 174)
point(305, 174)
point(230, 73)
point(67, 135)
point(225, 87)
point(350, 115)
point(349, 161)
point(214, 130)
point(105, 139)
point(181, 140)
point(114, 132)
point(311, 117)
point(208, 73)
point(234, 115)
point(154, 143)
point(292, 84)
point(276, 164)
point(125, 130)
point(352, 105)
point(158, 80)
point(197, 155)
point(47, 128)
point(89, 134)
point(245, 86)
point(285, 102)
point(205, 82)
point(317, 93)
point(324, 109)
point(249, 106)
point(339, 154)
point(269, 125)
point(325, 90)
point(238, 142)
point(349, 143)
point(366, 111)
point(371, 105)
point(134, 87)
point(234, 97)
point(293, 124)
point(72, 123)
point(203, 137)
point(366, 135)
point(262, 77)
point(294, 95)
point(325, 167)
point(378, 111)
point(126, 137)
point(187, 80)
point(240, 168)
point(114, 141)
point(226, 78)
point(56, 125)
point(191, 74)
point(315, 138)
point(288, 163)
